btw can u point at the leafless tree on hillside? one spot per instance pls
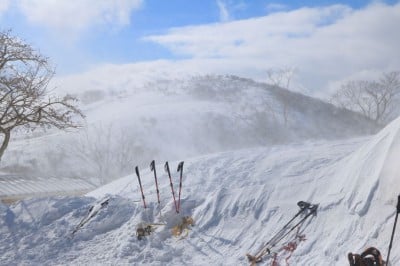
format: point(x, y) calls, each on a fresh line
point(374, 99)
point(106, 151)
point(24, 97)
point(282, 77)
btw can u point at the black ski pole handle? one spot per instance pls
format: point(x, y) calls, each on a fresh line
point(137, 171)
point(303, 205)
point(166, 167)
point(398, 204)
point(140, 185)
point(180, 167)
point(153, 168)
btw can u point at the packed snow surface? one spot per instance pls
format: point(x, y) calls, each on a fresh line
point(238, 200)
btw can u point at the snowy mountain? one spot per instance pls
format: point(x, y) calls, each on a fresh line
point(133, 121)
point(238, 200)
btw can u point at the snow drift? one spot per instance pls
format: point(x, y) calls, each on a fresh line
point(238, 201)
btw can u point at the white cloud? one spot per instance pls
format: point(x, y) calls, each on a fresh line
point(274, 7)
point(250, 37)
point(223, 11)
point(78, 15)
point(228, 8)
point(326, 44)
point(4, 5)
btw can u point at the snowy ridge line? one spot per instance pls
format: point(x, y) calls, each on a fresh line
point(205, 106)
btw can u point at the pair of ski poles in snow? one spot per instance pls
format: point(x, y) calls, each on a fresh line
point(166, 168)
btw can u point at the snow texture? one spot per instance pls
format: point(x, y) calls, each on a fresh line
point(238, 200)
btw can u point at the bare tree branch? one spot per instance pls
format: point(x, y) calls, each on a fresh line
point(24, 99)
point(374, 99)
point(281, 77)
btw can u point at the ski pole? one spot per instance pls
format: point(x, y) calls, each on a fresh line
point(312, 208)
point(140, 184)
point(180, 169)
point(166, 168)
point(272, 242)
point(303, 206)
point(394, 229)
point(153, 168)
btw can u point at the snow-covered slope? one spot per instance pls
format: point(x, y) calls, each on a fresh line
point(14, 187)
point(238, 201)
point(133, 123)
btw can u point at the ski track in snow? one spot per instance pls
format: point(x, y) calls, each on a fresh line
point(238, 201)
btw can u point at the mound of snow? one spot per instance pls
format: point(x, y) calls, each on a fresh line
point(238, 200)
point(242, 198)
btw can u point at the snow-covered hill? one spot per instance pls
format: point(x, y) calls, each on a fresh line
point(15, 187)
point(131, 122)
point(238, 200)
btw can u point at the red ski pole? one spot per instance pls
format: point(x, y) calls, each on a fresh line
point(180, 169)
point(166, 167)
point(153, 168)
point(140, 184)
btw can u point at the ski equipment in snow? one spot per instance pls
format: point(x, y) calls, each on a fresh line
point(394, 229)
point(371, 256)
point(166, 168)
point(145, 230)
point(184, 226)
point(305, 208)
point(153, 168)
point(180, 169)
point(140, 184)
point(93, 210)
point(141, 232)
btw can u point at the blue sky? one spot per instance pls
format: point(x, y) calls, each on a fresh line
point(79, 35)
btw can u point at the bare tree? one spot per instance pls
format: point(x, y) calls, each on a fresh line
point(281, 77)
point(107, 152)
point(24, 97)
point(374, 99)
